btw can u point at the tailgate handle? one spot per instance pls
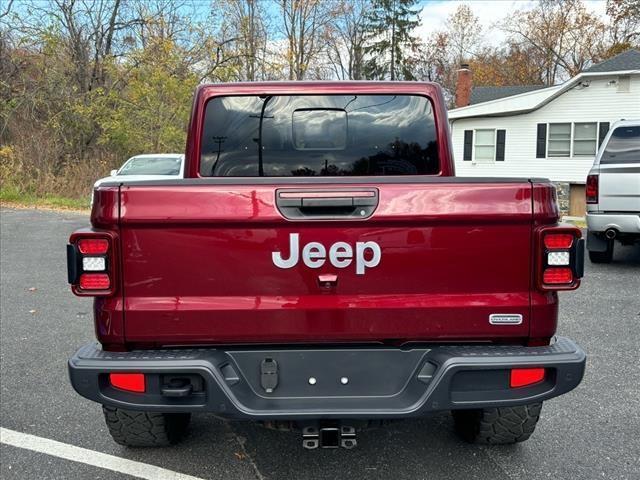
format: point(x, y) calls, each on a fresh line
point(327, 204)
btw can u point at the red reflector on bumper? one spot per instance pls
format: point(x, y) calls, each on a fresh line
point(557, 276)
point(94, 281)
point(521, 377)
point(93, 246)
point(131, 382)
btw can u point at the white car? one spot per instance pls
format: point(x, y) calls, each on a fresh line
point(153, 166)
point(613, 192)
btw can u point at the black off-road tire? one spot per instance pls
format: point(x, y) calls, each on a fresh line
point(602, 257)
point(145, 429)
point(497, 426)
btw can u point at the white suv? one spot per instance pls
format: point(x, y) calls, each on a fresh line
point(613, 192)
point(154, 166)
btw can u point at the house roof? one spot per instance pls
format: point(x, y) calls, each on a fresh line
point(486, 94)
point(627, 60)
point(626, 63)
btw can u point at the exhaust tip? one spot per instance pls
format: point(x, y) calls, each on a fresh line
point(611, 233)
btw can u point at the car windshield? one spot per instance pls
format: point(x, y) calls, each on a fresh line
point(623, 146)
point(152, 166)
point(319, 135)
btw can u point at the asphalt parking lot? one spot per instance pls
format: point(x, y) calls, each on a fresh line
point(592, 432)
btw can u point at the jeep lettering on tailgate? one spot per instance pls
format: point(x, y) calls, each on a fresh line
point(314, 254)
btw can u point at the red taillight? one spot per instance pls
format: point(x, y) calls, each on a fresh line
point(91, 263)
point(93, 246)
point(557, 276)
point(558, 240)
point(94, 281)
point(591, 189)
point(131, 382)
point(560, 257)
point(521, 377)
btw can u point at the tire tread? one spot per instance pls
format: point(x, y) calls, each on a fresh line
point(498, 426)
point(145, 429)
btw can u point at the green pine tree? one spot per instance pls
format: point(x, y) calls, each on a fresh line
point(389, 27)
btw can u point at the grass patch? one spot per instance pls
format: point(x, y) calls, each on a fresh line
point(12, 195)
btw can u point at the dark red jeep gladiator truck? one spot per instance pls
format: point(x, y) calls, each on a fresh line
point(321, 267)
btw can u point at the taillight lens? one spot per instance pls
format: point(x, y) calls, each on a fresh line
point(93, 246)
point(560, 258)
point(91, 263)
point(558, 240)
point(94, 281)
point(556, 276)
point(591, 189)
point(94, 264)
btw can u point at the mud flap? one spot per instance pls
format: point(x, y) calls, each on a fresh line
point(596, 243)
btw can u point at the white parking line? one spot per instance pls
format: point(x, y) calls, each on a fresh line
point(88, 457)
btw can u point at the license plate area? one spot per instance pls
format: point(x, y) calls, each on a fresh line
point(329, 372)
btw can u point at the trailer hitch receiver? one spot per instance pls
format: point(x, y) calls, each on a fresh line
point(329, 436)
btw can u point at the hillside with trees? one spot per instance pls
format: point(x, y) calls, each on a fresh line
point(84, 84)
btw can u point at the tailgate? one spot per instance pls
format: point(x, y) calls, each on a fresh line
point(620, 187)
point(209, 262)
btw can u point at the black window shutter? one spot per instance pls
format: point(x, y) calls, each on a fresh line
point(602, 132)
point(468, 145)
point(541, 141)
point(500, 138)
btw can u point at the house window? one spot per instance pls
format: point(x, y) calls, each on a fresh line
point(624, 83)
point(485, 145)
point(585, 139)
point(559, 144)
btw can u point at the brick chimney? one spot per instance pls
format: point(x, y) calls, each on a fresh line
point(464, 86)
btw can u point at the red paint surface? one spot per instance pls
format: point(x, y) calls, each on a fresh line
point(199, 269)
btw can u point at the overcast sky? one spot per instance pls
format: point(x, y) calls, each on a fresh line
point(435, 12)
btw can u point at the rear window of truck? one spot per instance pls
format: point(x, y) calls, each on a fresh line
point(319, 135)
point(623, 146)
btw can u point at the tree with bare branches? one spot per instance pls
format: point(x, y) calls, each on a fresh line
point(348, 39)
point(566, 35)
point(464, 32)
point(624, 29)
point(305, 25)
point(246, 22)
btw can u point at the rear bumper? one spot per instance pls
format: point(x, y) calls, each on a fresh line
point(380, 382)
point(622, 222)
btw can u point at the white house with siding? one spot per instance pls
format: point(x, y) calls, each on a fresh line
point(549, 132)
